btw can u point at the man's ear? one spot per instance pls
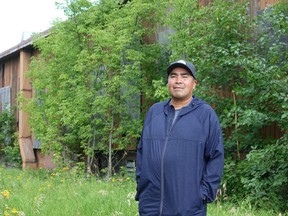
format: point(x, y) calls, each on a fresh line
point(195, 85)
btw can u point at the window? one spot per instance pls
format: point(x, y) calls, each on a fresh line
point(5, 98)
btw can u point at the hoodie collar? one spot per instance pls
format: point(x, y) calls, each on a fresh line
point(193, 103)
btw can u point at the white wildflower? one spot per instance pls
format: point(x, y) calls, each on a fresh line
point(103, 192)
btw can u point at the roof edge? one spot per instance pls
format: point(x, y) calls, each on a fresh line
point(21, 45)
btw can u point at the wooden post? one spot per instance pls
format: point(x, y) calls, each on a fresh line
point(25, 138)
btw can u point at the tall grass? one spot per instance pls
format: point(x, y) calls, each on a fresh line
point(65, 192)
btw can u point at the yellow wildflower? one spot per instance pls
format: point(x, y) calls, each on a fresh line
point(6, 213)
point(65, 169)
point(14, 211)
point(19, 177)
point(6, 194)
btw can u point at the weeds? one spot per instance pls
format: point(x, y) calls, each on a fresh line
point(65, 192)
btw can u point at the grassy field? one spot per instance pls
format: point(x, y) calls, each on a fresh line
point(64, 192)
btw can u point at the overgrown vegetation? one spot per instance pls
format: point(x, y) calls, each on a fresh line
point(64, 192)
point(68, 192)
point(99, 69)
point(9, 147)
point(89, 78)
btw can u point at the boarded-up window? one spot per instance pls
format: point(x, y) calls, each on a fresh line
point(36, 144)
point(5, 98)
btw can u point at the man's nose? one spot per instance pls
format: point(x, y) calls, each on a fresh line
point(178, 79)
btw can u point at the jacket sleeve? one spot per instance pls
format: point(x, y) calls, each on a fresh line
point(214, 158)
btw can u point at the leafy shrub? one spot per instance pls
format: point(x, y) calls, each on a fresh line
point(9, 146)
point(265, 177)
point(232, 187)
point(7, 127)
point(12, 156)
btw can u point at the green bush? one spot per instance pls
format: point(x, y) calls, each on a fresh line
point(12, 156)
point(9, 147)
point(7, 127)
point(265, 177)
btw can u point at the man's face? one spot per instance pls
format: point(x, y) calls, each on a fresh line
point(181, 84)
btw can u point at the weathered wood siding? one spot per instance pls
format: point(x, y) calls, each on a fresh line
point(10, 77)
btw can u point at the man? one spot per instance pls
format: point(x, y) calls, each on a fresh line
point(180, 155)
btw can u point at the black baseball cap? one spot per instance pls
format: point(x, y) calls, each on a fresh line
point(182, 64)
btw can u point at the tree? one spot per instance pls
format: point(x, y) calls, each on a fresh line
point(89, 77)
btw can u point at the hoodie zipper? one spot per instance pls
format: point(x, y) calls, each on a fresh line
point(162, 161)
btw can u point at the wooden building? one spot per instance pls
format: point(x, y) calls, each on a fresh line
point(14, 63)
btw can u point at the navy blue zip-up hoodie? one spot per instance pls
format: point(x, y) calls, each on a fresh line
point(179, 166)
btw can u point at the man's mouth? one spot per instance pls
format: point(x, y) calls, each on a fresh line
point(177, 88)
